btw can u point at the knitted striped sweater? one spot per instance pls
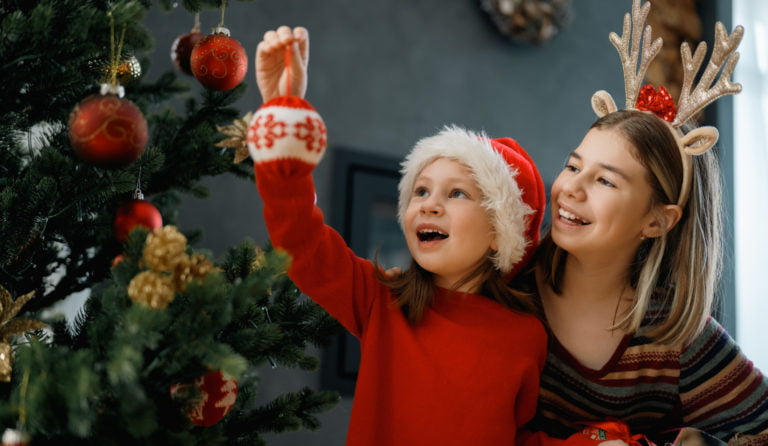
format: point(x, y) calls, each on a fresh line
point(709, 385)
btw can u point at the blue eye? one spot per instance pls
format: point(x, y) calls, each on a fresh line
point(420, 192)
point(458, 193)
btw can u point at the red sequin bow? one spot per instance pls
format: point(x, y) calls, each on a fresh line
point(659, 102)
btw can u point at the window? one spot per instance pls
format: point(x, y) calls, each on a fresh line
point(751, 181)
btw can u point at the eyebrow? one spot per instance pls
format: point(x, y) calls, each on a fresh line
point(609, 167)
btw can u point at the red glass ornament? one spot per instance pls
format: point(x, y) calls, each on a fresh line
point(218, 61)
point(107, 131)
point(181, 50)
point(136, 212)
point(217, 397)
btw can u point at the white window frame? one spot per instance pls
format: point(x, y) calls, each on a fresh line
point(751, 181)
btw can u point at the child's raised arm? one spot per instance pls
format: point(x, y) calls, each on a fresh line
point(283, 52)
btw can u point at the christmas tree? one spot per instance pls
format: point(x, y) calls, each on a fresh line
point(93, 163)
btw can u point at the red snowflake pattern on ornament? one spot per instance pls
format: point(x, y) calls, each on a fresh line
point(312, 131)
point(265, 130)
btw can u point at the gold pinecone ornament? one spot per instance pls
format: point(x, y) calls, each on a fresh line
point(152, 289)
point(194, 267)
point(170, 268)
point(164, 248)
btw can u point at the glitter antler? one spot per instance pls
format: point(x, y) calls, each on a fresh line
point(634, 75)
point(633, 33)
point(713, 84)
point(692, 100)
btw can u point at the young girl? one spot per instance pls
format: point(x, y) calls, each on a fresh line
point(628, 272)
point(448, 354)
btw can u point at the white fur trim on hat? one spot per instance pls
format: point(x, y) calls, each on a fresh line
point(502, 196)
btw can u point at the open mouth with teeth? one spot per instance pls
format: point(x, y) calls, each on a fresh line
point(430, 235)
point(571, 218)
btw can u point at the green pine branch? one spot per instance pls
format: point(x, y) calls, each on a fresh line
point(105, 378)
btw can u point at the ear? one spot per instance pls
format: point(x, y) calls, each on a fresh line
point(663, 219)
point(603, 103)
point(699, 140)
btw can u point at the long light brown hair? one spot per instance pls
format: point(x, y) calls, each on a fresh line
point(681, 268)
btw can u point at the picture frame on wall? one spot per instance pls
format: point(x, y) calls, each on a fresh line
point(364, 212)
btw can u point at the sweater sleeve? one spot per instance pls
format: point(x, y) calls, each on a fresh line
point(721, 391)
point(322, 265)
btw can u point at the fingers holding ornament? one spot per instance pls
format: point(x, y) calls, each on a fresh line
point(281, 63)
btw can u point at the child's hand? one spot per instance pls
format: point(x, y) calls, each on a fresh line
point(271, 63)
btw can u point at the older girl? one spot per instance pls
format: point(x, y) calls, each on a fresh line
point(629, 270)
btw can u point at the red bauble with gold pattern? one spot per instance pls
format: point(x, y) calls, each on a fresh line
point(136, 212)
point(217, 397)
point(181, 50)
point(107, 130)
point(218, 61)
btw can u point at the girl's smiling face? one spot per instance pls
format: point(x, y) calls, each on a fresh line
point(601, 201)
point(447, 229)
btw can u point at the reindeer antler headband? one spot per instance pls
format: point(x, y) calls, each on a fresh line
point(713, 84)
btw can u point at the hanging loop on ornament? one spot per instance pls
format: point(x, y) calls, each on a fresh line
point(196, 27)
point(114, 63)
point(288, 72)
point(137, 194)
point(223, 8)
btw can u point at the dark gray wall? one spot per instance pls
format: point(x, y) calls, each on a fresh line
point(384, 74)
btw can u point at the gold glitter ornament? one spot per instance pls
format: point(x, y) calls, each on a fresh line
point(152, 289)
point(164, 248)
point(11, 326)
point(236, 137)
point(127, 70)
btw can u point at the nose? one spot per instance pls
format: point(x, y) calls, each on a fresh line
point(573, 187)
point(432, 205)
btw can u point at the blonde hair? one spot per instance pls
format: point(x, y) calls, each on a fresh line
point(675, 276)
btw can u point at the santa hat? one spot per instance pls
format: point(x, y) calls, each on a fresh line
point(513, 192)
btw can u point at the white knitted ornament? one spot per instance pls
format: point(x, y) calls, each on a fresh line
point(287, 127)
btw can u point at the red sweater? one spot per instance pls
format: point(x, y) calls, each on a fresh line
point(467, 374)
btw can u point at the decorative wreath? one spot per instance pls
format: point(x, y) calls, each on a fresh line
point(528, 21)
